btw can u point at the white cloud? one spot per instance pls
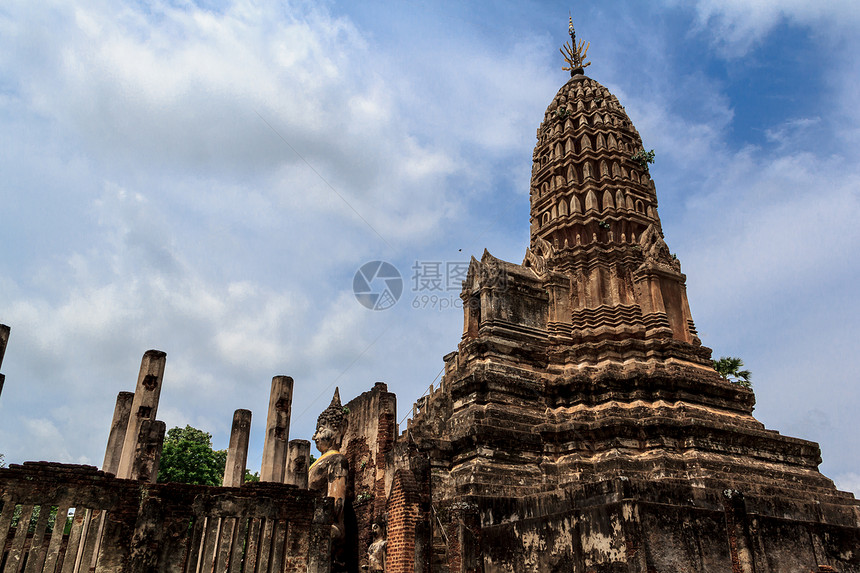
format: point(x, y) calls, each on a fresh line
point(788, 226)
point(739, 25)
point(147, 203)
point(189, 89)
point(791, 132)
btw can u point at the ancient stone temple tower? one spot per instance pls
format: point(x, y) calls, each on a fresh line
point(580, 425)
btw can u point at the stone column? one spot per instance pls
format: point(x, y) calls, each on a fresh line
point(656, 294)
point(592, 288)
point(298, 461)
point(4, 338)
point(277, 430)
point(237, 451)
point(614, 288)
point(559, 300)
point(118, 427)
point(144, 406)
point(147, 451)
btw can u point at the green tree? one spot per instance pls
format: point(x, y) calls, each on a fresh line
point(729, 367)
point(188, 457)
point(251, 477)
point(643, 158)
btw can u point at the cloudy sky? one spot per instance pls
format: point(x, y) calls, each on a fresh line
point(206, 178)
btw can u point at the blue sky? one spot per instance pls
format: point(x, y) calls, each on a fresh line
point(205, 179)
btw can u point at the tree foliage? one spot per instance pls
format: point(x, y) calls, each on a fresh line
point(729, 367)
point(643, 158)
point(188, 457)
point(34, 518)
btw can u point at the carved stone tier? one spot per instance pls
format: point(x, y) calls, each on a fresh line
point(583, 310)
point(583, 171)
point(590, 460)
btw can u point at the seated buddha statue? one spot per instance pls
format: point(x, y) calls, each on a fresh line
point(328, 474)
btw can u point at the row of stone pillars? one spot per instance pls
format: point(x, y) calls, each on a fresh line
point(136, 437)
point(284, 460)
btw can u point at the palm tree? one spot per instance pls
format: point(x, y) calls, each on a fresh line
point(729, 367)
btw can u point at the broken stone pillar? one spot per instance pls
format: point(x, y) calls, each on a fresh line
point(143, 407)
point(147, 451)
point(4, 338)
point(298, 461)
point(277, 430)
point(237, 451)
point(118, 427)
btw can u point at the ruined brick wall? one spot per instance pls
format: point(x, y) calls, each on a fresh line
point(36, 500)
point(403, 514)
point(125, 526)
point(384, 444)
point(407, 475)
point(368, 441)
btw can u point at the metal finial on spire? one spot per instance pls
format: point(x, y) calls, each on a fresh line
point(574, 54)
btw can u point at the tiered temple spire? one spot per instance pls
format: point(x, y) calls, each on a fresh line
point(596, 237)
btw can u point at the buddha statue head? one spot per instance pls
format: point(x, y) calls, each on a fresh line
point(331, 426)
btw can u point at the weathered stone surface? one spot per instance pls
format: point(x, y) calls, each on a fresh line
point(144, 406)
point(298, 462)
point(118, 428)
point(237, 450)
point(147, 451)
point(277, 430)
